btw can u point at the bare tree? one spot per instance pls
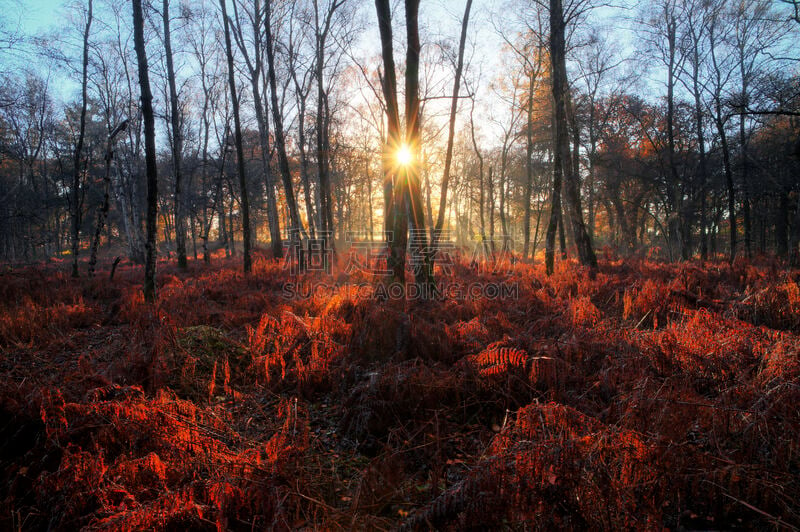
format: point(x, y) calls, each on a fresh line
point(721, 73)
point(413, 142)
point(150, 154)
point(254, 67)
point(128, 154)
point(322, 27)
point(795, 5)
point(511, 91)
point(661, 23)
point(452, 122)
point(532, 75)
point(177, 142)
point(302, 79)
point(237, 133)
point(203, 48)
point(481, 185)
point(692, 43)
point(102, 212)
point(277, 118)
point(755, 34)
point(394, 194)
point(78, 167)
point(563, 163)
point(531, 54)
point(595, 63)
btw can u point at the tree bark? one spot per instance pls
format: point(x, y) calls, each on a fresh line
point(526, 224)
point(102, 213)
point(76, 181)
point(555, 210)
point(396, 216)
point(149, 153)
point(490, 191)
point(422, 273)
point(782, 224)
point(280, 140)
point(563, 161)
point(481, 188)
point(674, 224)
point(726, 163)
point(322, 119)
point(701, 143)
point(452, 124)
point(237, 133)
point(746, 222)
point(301, 93)
point(177, 143)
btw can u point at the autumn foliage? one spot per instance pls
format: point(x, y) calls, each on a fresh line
point(647, 396)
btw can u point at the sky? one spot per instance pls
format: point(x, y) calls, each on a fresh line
point(439, 17)
point(36, 15)
point(440, 20)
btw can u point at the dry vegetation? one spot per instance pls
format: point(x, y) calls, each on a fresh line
point(652, 395)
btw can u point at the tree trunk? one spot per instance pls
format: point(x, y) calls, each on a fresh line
point(674, 224)
point(429, 211)
point(490, 190)
point(369, 198)
point(535, 242)
point(76, 181)
point(701, 143)
point(193, 230)
point(555, 209)
point(563, 161)
point(423, 274)
point(452, 124)
point(502, 207)
point(149, 153)
point(323, 143)
point(280, 141)
point(237, 133)
point(301, 141)
point(794, 238)
point(719, 121)
point(782, 224)
point(394, 194)
point(481, 188)
point(276, 245)
point(177, 143)
point(526, 227)
point(746, 222)
point(102, 213)
point(562, 240)
point(592, 160)
point(726, 163)
point(255, 68)
point(231, 229)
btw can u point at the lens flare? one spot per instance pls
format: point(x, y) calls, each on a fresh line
point(404, 155)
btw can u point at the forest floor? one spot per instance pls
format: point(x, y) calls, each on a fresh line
point(649, 396)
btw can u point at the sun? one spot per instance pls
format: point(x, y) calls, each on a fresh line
point(404, 155)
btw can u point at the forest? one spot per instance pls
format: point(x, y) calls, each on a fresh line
point(378, 265)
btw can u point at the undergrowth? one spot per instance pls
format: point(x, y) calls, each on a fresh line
point(646, 396)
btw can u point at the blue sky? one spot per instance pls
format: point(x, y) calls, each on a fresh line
point(34, 15)
point(440, 19)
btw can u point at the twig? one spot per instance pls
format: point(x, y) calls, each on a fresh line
point(114, 268)
point(776, 520)
point(642, 320)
